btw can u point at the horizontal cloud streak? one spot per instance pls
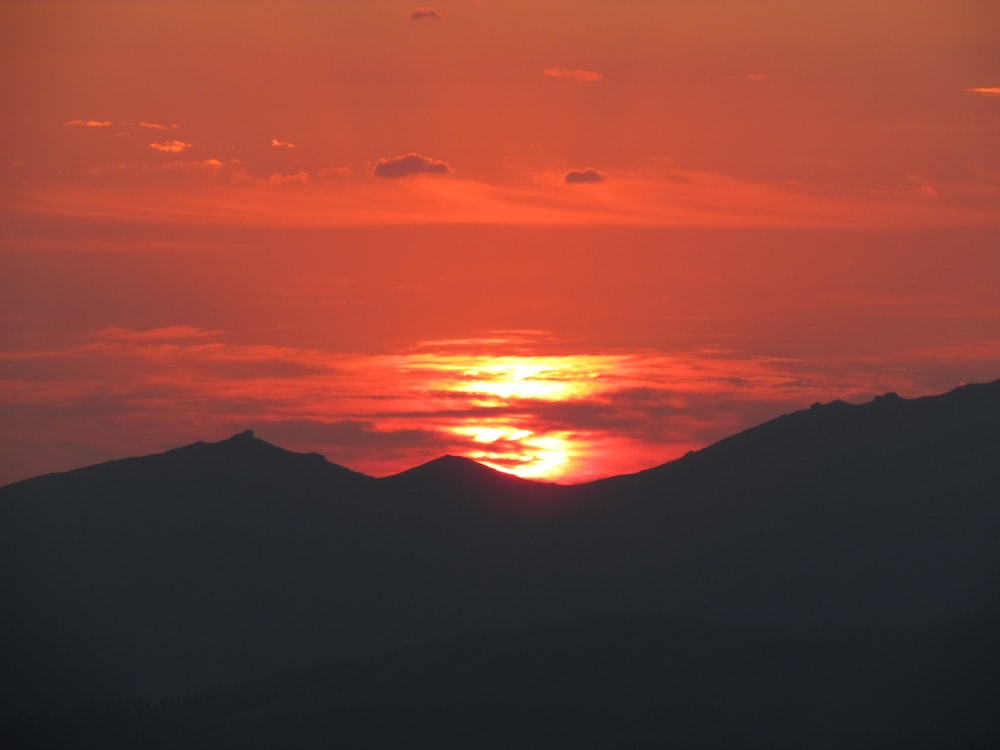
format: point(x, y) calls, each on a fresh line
point(575, 74)
point(168, 333)
point(549, 415)
point(89, 123)
point(672, 198)
point(279, 180)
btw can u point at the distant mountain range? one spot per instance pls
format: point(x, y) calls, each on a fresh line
point(827, 579)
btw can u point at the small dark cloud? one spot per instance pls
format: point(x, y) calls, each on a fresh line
point(578, 176)
point(423, 13)
point(402, 166)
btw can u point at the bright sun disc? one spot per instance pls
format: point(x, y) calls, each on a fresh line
point(512, 386)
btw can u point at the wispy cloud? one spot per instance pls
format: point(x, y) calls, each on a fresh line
point(575, 74)
point(986, 91)
point(158, 126)
point(203, 166)
point(278, 143)
point(409, 164)
point(170, 147)
point(167, 333)
point(280, 180)
point(423, 13)
point(581, 176)
point(89, 123)
point(665, 198)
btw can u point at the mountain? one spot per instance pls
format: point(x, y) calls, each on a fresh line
point(883, 513)
point(858, 542)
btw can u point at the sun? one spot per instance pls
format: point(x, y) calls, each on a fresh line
point(510, 418)
point(518, 451)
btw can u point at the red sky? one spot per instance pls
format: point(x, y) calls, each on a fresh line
point(570, 239)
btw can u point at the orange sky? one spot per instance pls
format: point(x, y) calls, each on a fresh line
point(568, 238)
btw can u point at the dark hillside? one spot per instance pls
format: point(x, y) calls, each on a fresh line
point(220, 564)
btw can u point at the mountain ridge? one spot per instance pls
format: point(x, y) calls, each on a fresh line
point(463, 467)
point(219, 563)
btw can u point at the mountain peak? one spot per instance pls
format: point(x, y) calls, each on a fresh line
point(451, 468)
point(457, 461)
point(244, 451)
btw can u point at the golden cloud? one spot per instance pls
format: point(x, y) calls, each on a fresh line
point(89, 123)
point(170, 147)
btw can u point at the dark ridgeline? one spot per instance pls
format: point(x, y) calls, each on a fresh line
point(828, 579)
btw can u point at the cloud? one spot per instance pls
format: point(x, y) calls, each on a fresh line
point(665, 198)
point(170, 147)
point(575, 74)
point(423, 13)
point(279, 180)
point(401, 166)
point(758, 77)
point(282, 144)
point(89, 123)
point(580, 176)
point(986, 91)
point(192, 167)
point(165, 333)
point(158, 126)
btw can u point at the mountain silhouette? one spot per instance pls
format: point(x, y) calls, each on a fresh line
point(841, 560)
point(450, 469)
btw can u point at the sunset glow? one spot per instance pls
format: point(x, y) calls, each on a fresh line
point(510, 386)
point(565, 240)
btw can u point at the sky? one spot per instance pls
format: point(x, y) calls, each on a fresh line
point(567, 239)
